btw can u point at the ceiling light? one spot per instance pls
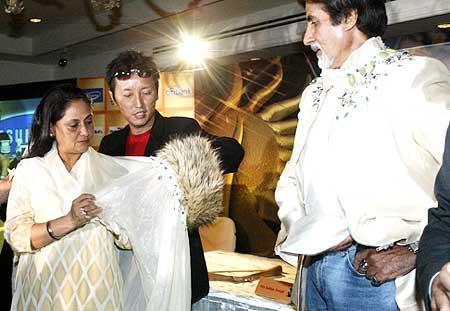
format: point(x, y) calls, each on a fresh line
point(35, 20)
point(193, 50)
point(444, 26)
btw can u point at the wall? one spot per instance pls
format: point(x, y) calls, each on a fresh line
point(15, 73)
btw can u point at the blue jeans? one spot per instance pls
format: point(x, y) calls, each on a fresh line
point(334, 285)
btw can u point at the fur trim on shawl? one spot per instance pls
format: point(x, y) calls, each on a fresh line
point(197, 166)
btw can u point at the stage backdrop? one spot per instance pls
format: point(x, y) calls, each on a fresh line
point(257, 103)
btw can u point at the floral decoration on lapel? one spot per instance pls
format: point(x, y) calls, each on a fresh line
point(366, 77)
point(317, 91)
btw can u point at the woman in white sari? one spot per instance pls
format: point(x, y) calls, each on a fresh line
point(70, 207)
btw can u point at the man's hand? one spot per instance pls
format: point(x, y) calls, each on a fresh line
point(440, 290)
point(387, 264)
point(342, 246)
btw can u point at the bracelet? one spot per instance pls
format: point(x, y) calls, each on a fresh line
point(50, 232)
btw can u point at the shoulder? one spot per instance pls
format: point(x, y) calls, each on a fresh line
point(429, 66)
point(30, 168)
point(180, 121)
point(114, 135)
point(412, 67)
point(409, 73)
point(113, 141)
point(181, 124)
point(27, 163)
point(107, 139)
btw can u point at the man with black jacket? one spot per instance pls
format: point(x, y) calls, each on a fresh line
point(133, 82)
point(433, 260)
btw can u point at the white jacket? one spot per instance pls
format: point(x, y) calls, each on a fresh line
point(387, 145)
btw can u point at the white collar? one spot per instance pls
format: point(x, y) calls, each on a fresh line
point(53, 157)
point(358, 57)
point(363, 54)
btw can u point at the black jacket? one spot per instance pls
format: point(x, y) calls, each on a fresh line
point(434, 246)
point(230, 152)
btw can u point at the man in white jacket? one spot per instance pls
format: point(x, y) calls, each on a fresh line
point(354, 195)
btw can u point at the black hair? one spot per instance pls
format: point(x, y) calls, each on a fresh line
point(372, 17)
point(50, 110)
point(128, 60)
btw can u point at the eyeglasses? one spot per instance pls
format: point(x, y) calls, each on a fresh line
point(125, 75)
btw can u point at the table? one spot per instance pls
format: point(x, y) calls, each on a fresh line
point(241, 296)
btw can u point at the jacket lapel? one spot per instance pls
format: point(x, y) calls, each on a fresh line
point(157, 136)
point(310, 115)
point(121, 141)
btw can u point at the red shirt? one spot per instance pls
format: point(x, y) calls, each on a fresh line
point(136, 144)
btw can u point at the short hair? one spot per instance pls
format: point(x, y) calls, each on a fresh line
point(372, 17)
point(50, 110)
point(128, 60)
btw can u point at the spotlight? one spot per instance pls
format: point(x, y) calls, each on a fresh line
point(62, 62)
point(35, 20)
point(193, 50)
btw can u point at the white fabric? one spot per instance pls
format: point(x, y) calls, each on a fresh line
point(140, 198)
point(159, 238)
point(318, 182)
point(386, 148)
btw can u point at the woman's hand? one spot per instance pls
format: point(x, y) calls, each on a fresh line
point(83, 209)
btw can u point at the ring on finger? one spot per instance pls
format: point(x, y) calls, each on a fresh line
point(363, 266)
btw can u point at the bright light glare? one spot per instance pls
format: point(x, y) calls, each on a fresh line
point(193, 50)
point(444, 26)
point(35, 20)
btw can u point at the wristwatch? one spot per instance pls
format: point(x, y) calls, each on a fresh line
point(413, 247)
